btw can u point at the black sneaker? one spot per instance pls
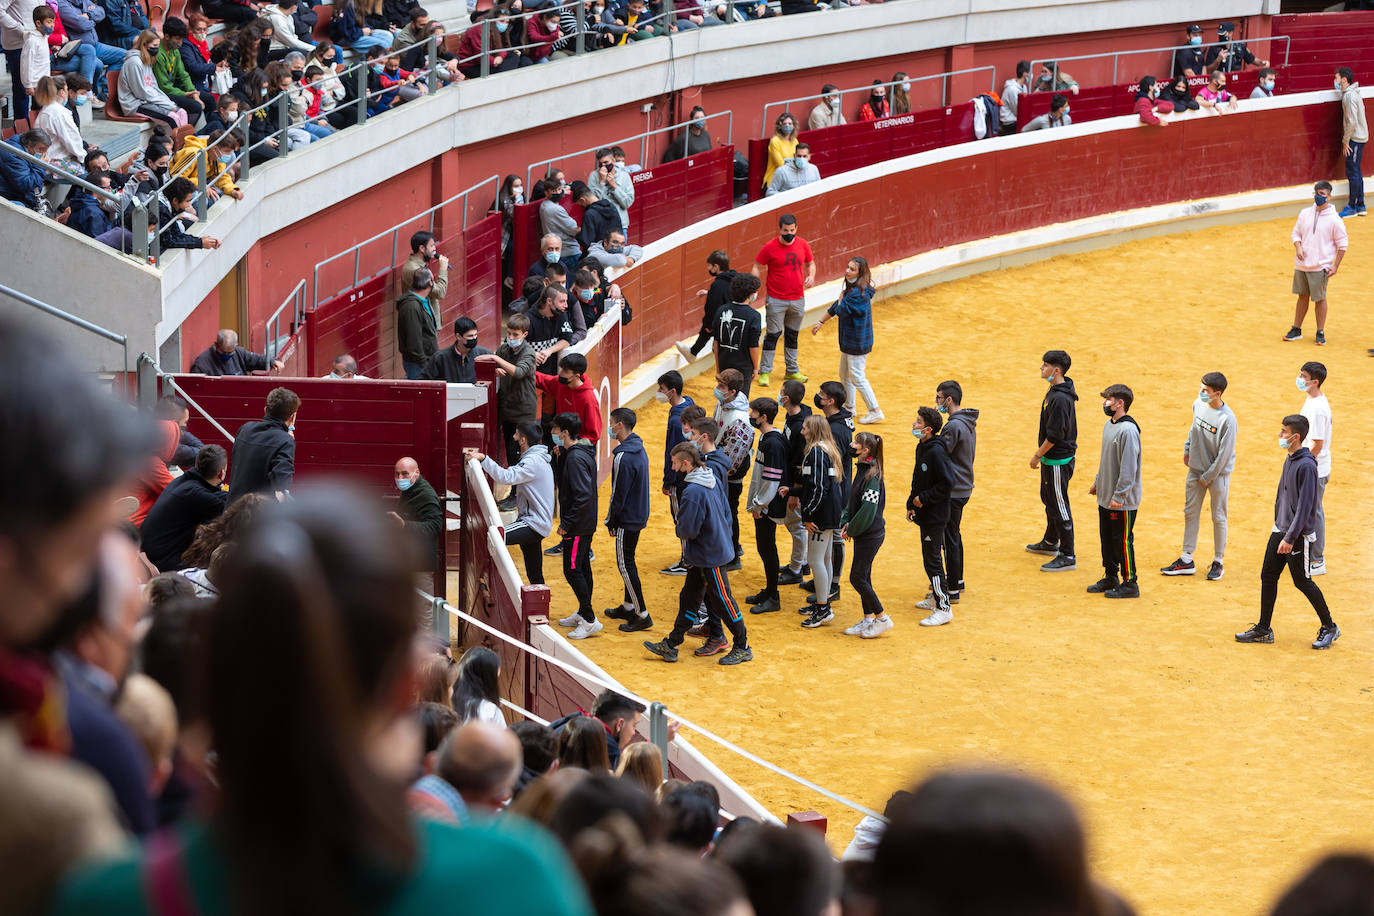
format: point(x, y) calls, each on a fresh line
point(1105, 584)
point(806, 570)
point(789, 576)
point(635, 624)
point(700, 631)
point(809, 586)
point(710, 647)
point(1326, 636)
point(1215, 572)
point(1060, 563)
point(737, 656)
point(1293, 334)
point(757, 598)
point(834, 596)
point(1320, 340)
point(620, 612)
point(1179, 567)
point(734, 565)
point(1045, 547)
point(662, 650)
point(767, 605)
point(677, 569)
point(1256, 633)
point(1124, 590)
point(507, 504)
point(820, 614)
point(555, 551)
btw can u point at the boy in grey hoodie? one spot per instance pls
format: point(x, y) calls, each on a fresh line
point(1210, 453)
point(1117, 488)
point(533, 498)
point(960, 433)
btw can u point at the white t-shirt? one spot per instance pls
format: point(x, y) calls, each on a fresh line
point(487, 711)
point(1318, 413)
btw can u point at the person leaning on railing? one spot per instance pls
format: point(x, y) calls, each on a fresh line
point(219, 175)
point(20, 180)
point(501, 57)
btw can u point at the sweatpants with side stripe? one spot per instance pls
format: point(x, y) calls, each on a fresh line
point(712, 585)
point(625, 544)
point(1117, 529)
point(1054, 493)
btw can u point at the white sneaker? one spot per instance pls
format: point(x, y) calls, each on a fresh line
point(938, 619)
point(878, 627)
point(686, 352)
point(858, 628)
point(585, 628)
point(571, 621)
point(873, 416)
point(926, 604)
point(1317, 569)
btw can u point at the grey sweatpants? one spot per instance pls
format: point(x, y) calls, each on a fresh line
point(1319, 545)
point(1193, 492)
point(783, 319)
point(793, 523)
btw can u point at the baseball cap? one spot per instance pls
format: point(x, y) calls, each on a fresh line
point(1194, 28)
point(1227, 27)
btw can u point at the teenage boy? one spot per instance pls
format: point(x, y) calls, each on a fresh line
point(572, 393)
point(575, 466)
point(1118, 488)
point(928, 507)
point(1210, 456)
point(531, 482)
point(628, 515)
point(705, 536)
point(960, 433)
point(1317, 409)
point(1290, 543)
point(716, 295)
point(1054, 458)
point(764, 503)
point(517, 398)
point(791, 271)
point(735, 439)
point(1319, 243)
point(670, 393)
point(830, 400)
point(551, 330)
point(736, 328)
point(790, 400)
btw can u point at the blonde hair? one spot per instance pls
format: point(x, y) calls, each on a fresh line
point(642, 763)
point(816, 434)
point(46, 91)
point(145, 38)
point(434, 679)
point(146, 708)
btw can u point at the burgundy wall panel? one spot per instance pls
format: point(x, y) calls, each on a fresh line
point(479, 295)
point(676, 194)
point(361, 322)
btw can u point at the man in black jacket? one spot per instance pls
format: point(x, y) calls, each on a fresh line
point(795, 412)
point(575, 470)
point(264, 459)
point(226, 357)
point(599, 216)
point(190, 501)
point(928, 507)
point(417, 334)
point(1054, 458)
point(419, 511)
point(716, 295)
point(455, 363)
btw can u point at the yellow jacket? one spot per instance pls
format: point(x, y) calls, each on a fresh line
point(780, 149)
point(184, 165)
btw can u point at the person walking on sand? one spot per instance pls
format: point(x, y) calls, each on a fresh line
point(854, 309)
point(1210, 456)
point(1319, 244)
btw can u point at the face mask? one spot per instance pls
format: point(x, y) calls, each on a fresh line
point(1319, 199)
point(698, 123)
point(403, 483)
point(1107, 410)
point(82, 99)
point(615, 435)
point(376, 68)
point(1268, 85)
point(586, 294)
point(1302, 383)
point(1283, 443)
point(1195, 39)
point(468, 344)
point(297, 74)
point(919, 433)
point(754, 422)
point(226, 158)
point(48, 29)
point(614, 249)
point(225, 357)
point(661, 397)
point(906, 87)
point(785, 130)
point(500, 26)
point(1203, 396)
point(817, 401)
point(564, 380)
point(598, 10)
point(835, 104)
point(943, 409)
point(291, 428)
point(551, 257)
point(799, 163)
point(1337, 84)
point(519, 197)
point(787, 237)
point(720, 395)
point(514, 342)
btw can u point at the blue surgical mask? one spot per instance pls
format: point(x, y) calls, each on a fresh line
point(1302, 383)
point(1202, 396)
point(403, 483)
point(500, 26)
point(586, 294)
point(1195, 39)
point(698, 123)
point(918, 433)
point(514, 342)
point(720, 395)
point(376, 68)
point(785, 130)
point(943, 409)
point(551, 257)
point(225, 357)
point(226, 158)
point(1283, 443)
point(1267, 85)
point(82, 99)
point(1319, 200)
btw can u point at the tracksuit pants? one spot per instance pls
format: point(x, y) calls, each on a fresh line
point(1319, 543)
point(577, 569)
point(1298, 563)
point(932, 555)
point(784, 319)
point(954, 544)
point(1117, 529)
point(1217, 492)
point(1354, 174)
point(626, 542)
point(531, 547)
point(766, 540)
point(735, 489)
point(712, 585)
point(793, 523)
point(1054, 493)
point(861, 572)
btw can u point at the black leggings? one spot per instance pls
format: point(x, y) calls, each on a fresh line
point(766, 539)
point(735, 490)
point(531, 546)
point(577, 569)
point(1297, 563)
point(861, 572)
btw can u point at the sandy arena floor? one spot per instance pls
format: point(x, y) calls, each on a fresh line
point(1209, 773)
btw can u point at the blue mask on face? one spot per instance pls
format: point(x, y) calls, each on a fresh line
point(225, 357)
point(917, 434)
point(226, 158)
point(500, 26)
point(1319, 199)
point(551, 257)
point(403, 483)
point(1195, 39)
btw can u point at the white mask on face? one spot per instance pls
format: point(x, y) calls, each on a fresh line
point(661, 397)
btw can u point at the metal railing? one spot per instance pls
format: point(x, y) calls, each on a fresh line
point(643, 139)
point(1173, 54)
point(394, 232)
point(786, 104)
point(71, 319)
point(275, 338)
point(147, 362)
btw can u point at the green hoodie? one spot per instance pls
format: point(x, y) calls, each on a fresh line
point(171, 72)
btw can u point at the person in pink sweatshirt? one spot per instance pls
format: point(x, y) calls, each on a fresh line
point(1319, 244)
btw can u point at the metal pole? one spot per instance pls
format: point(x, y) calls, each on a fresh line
point(485, 69)
point(283, 115)
point(241, 125)
point(202, 199)
point(147, 382)
point(729, 10)
point(580, 43)
point(432, 53)
point(362, 93)
point(439, 615)
point(658, 731)
point(140, 245)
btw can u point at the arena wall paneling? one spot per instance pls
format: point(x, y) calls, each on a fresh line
point(480, 282)
point(360, 321)
point(679, 193)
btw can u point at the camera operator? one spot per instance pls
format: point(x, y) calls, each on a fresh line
point(1230, 56)
point(612, 182)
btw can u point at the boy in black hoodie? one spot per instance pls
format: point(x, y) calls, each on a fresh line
point(795, 412)
point(575, 469)
point(928, 507)
point(627, 516)
point(1054, 458)
point(718, 269)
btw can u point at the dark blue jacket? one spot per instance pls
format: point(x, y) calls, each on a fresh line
point(124, 19)
point(344, 28)
point(629, 486)
point(87, 217)
point(197, 66)
point(703, 520)
point(20, 180)
point(675, 437)
point(105, 744)
point(854, 309)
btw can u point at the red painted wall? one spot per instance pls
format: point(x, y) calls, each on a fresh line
point(198, 330)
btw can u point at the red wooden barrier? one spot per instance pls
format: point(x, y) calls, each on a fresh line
point(362, 322)
point(677, 194)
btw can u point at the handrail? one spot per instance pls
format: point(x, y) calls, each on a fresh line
point(273, 327)
point(1173, 59)
point(944, 92)
point(68, 317)
point(170, 379)
point(356, 250)
point(728, 114)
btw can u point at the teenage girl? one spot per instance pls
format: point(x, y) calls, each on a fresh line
point(863, 527)
point(821, 506)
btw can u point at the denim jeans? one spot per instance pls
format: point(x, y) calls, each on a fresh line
point(1354, 175)
point(376, 40)
point(317, 131)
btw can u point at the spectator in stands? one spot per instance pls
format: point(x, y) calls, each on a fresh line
point(344, 367)
point(1011, 95)
point(264, 459)
point(550, 247)
point(854, 309)
point(219, 163)
point(204, 559)
point(171, 74)
point(124, 19)
point(79, 20)
point(1231, 56)
point(542, 31)
point(1149, 105)
point(791, 270)
point(628, 516)
point(1176, 93)
point(170, 407)
point(138, 87)
point(540, 746)
point(236, 13)
point(612, 182)
point(691, 142)
point(416, 24)
point(424, 252)
point(401, 85)
point(531, 479)
point(827, 112)
point(501, 55)
point(397, 13)
point(1264, 88)
point(692, 814)
point(1192, 60)
point(419, 513)
point(795, 172)
point(1214, 97)
point(354, 26)
point(1354, 135)
point(735, 331)
point(68, 150)
point(612, 253)
point(781, 145)
point(224, 116)
point(191, 500)
point(226, 357)
point(153, 477)
point(330, 547)
point(32, 60)
point(254, 42)
point(417, 324)
point(195, 54)
point(876, 106)
point(784, 872)
point(642, 764)
point(1057, 116)
point(95, 216)
point(456, 363)
point(1052, 79)
point(575, 465)
point(550, 327)
point(20, 180)
point(901, 99)
point(599, 216)
point(582, 744)
point(284, 38)
point(555, 221)
point(619, 716)
point(147, 711)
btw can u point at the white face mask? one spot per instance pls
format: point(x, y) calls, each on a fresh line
point(1302, 383)
point(661, 397)
point(1283, 443)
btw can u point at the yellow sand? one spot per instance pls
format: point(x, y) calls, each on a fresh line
point(1209, 773)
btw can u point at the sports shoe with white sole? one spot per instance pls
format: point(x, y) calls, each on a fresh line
point(858, 628)
point(878, 627)
point(686, 352)
point(571, 620)
point(1216, 572)
point(1179, 567)
point(938, 619)
point(586, 628)
point(1317, 569)
point(821, 615)
point(873, 416)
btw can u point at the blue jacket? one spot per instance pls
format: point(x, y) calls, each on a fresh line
point(344, 28)
point(197, 67)
point(87, 217)
point(76, 25)
point(703, 520)
point(124, 19)
point(855, 311)
point(20, 180)
point(675, 437)
point(629, 486)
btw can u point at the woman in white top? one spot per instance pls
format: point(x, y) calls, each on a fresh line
point(68, 150)
point(477, 695)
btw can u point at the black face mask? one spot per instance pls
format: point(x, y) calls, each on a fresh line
point(564, 380)
point(787, 237)
point(754, 422)
point(1107, 410)
point(817, 401)
point(469, 344)
point(297, 74)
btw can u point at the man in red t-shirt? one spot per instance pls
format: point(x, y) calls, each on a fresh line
point(791, 271)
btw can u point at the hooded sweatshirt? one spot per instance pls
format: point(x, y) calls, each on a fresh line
point(533, 474)
point(629, 486)
point(582, 400)
point(577, 489)
point(138, 87)
point(842, 431)
point(1211, 444)
point(961, 441)
point(1295, 506)
point(736, 435)
point(931, 481)
point(1118, 468)
point(674, 438)
point(416, 331)
point(1354, 127)
point(767, 476)
point(1059, 423)
point(703, 521)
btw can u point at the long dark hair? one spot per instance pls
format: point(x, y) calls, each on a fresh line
point(505, 195)
point(582, 743)
point(864, 279)
point(223, 530)
point(309, 645)
point(478, 672)
point(874, 443)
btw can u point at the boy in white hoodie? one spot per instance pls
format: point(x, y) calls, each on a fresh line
point(736, 439)
point(34, 63)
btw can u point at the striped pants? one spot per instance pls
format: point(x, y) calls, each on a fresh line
point(712, 585)
point(1117, 528)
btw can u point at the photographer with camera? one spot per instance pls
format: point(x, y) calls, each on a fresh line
point(1230, 56)
point(612, 182)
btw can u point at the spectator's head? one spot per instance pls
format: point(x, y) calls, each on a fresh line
point(717, 262)
point(528, 434)
point(419, 20)
point(437, 720)
point(406, 472)
point(552, 247)
point(1312, 372)
point(1148, 87)
point(1344, 77)
point(698, 117)
point(555, 184)
point(582, 195)
point(618, 155)
point(787, 228)
point(553, 299)
point(222, 531)
point(465, 333)
point(1046, 75)
point(830, 397)
point(167, 588)
point(685, 457)
point(171, 407)
point(517, 329)
point(830, 94)
point(96, 160)
point(1055, 364)
point(729, 383)
point(147, 44)
point(1059, 104)
point(982, 842)
point(344, 366)
point(857, 274)
point(1023, 69)
point(199, 26)
point(642, 763)
point(36, 142)
point(479, 681)
point(1214, 385)
point(283, 405)
point(556, 275)
point(600, 798)
point(211, 463)
point(422, 281)
point(802, 155)
point(669, 386)
point(566, 428)
point(1194, 33)
point(744, 287)
point(927, 419)
point(1321, 193)
point(174, 29)
point(618, 713)
point(1341, 884)
point(762, 410)
point(434, 676)
point(228, 106)
point(785, 872)
point(540, 746)
point(1117, 397)
point(1217, 81)
point(1266, 77)
point(44, 19)
point(422, 243)
point(878, 92)
point(792, 393)
point(1224, 30)
point(482, 761)
point(46, 91)
point(623, 422)
point(582, 743)
point(614, 243)
point(624, 879)
point(179, 192)
point(585, 283)
point(571, 369)
point(295, 62)
point(691, 819)
point(785, 125)
point(513, 188)
point(226, 342)
point(172, 653)
point(146, 709)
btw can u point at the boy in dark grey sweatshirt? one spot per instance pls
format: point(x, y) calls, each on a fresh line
point(1117, 488)
point(1290, 543)
point(960, 433)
